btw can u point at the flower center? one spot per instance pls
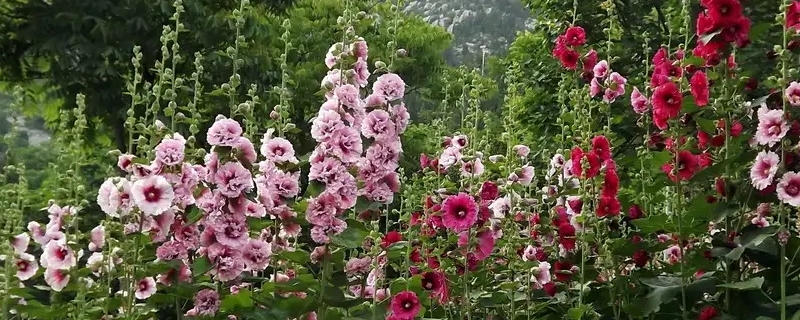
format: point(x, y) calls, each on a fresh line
point(462, 213)
point(774, 129)
point(792, 190)
point(407, 305)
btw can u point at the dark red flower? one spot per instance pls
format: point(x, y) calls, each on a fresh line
point(718, 140)
point(575, 156)
point(415, 256)
point(640, 258)
point(719, 185)
point(684, 168)
point(608, 206)
point(736, 129)
point(575, 36)
point(550, 289)
point(702, 139)
point(667, 100)
point(589, 61)
point(708, 312)
point(594, 165)
point(602, 147)
point(489, 191)
point(390, 238)
point(563, 270)
point(635, 212)
point(793, 15)
point(699, 88)
point(610, 184)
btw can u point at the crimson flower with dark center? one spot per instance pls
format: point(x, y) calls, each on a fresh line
point(685, 168)
point(667, 100)
point(405, 305)
point(460, 212)
point(608, 206)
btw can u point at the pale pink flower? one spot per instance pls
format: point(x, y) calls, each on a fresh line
point(359, 49)
point(760, 221)
point(224, 132)
point(601, 69)
point(672, 254)
point(26, 266)
point(331, 80)
point(525, 175)
point(37, 233)
point(232, 179)
point(472, 168)
point(639, 101)
point(246, 149)
point(170, 151)
point(325, 125)
point(522, 151)
point(615, 87)
point(319, 234)
point(460, 141)
point(793, 94)
point(542, 274)
point(97, 238)
point(347, 145)
point(96, 263)
point(378, 125)
point(108, 197)
point(358, 266)
point(764, 169)
point(450, 156)
point(20, 242)
point(125, 162)
point(390, 85)
point(772, 126)
point(401, 117)
point(595, 88)
point(57, 255)
point(788, 189)
point(361, 69)
point(256, 255)
point(278, 150)
point(171, 250)
point(206, 303)
point(145, 288)
point(332, 56)
point(57, 279)
point(348, 96)
point(153, 195)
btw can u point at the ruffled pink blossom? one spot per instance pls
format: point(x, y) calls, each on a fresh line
point(788, 189)
point(357, 266)
point(764, 169)
point(401, 117)
point(108, 197)
point(97, 238)
point(224, 132)
point(390, 85)
point(348, 96)
point(346, 144)
point(326, 125)
point(206, 303)
point(232, 179)
point(361, 69)
point(228, 262)
point(246, 150)
point(793, 94)
point(256, 255)
point(278, 150)
point(153, 195)
point(378, 125)
point(615, 87)
point(639, 101)
point(170, 151)
point(772, 126)
point(405, 305)
point(125, 162)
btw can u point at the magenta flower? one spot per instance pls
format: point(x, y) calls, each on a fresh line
point(460, 212)
point(639, 101)
point(405, 305)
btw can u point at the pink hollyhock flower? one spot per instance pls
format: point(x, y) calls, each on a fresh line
point(390, 85)
point(224, 132)
point(57, 279)
point(125, 162)
point(793, 94)
point(525, 175)
point(595, 88)
point(108, 197)
point(145, 288)
point(357, 266)
point(232, 179)
point(229, 229)
point(20, 242)
point(449, 157)
point(486, 243)
point(472, 168)
point(348, 95)
point(672, 254)
point(206, 303)
point(615, 87)
point(460, 212)
point(764, 169)
point(401, 117)
point(97, 238)
point(542, 274)
point(362, 72)
point(788, 189)
point(321, 210)
point(332, 56)
point(331, 80)
point(347, 145)
point(171, 250)
point(522, 151)
point(285, 184)
point(601, 69)
point(228, 262)
point(278, 150)
point(256, 255)
point(170, 151)
point(378, 125)
point(772, 126)
point(26, 266)
point(57, 255)
point(639, 101)
point(500, 207)
point(405, 305)
point(761, 222)
point(325, 126)
point(375, 100)
point(153, 195)
point(359, 49)
point(245, 147)
point(326, 170)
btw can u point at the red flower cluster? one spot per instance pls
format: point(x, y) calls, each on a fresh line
point(793, 16)
point(724, 22)
point(599, 158)
point(566, 49)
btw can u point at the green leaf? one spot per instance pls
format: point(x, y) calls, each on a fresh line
point(750, 284)
point(200, 266)
point(299, 256)
point(352, 237)
point(735, 254)
point(363, 204)
point(243, 299)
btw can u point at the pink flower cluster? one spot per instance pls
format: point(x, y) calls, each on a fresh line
point(613, 84)
point(338, 128)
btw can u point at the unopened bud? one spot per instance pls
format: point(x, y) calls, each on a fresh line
point(274, 115)
point(402, 52)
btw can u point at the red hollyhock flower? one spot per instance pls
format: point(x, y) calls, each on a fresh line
point(566, 236)
point(687, 165)
point(660, 57)
point(550, 289)
point(723, 12)
point(594, 165)
point(705, 24)
point(708, 313)
point(718, 140)
point(710, 52)
point(702, 139)
point(736, 129)
point(415, 256)
point(405, 305)
point(575, 36)
point(699, 88)
point(575, 156)
point(563, 270)
point(793, 15)
point(667, 100)
point(719, 185)
point(640, 258)
point(704, 159)
point(608, 206)
point(602, 147)
point(635, 212)
point(390, 238)
point(489, 191)
point(589, 61)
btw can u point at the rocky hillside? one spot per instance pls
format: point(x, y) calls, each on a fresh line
point(475, 24)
